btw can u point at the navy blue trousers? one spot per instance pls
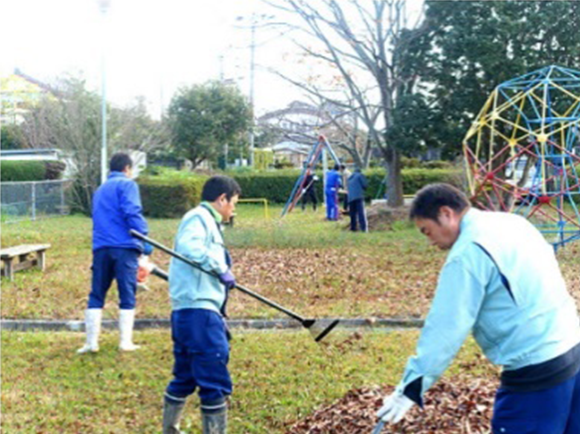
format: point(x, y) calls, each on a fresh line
point(113, 263)
point(552, 411)
point(332, 205)
point(201, 352)
point(357, 213)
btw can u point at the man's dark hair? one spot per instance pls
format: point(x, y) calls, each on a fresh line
point(337, 167)
point(218, 185)
point(431, 198)
point(119, 161)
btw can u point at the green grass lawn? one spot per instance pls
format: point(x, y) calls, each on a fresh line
point(312, 266)
point(279, 377)
point(315, 267)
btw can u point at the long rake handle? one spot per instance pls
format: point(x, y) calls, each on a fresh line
point(306, 323)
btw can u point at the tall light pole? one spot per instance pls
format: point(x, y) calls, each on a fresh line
point(252, 71)
point(104, 7)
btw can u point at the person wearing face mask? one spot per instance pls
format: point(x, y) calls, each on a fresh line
point(500, 281)
point(199, 333)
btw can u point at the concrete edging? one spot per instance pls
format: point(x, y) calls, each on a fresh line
point(249, 324)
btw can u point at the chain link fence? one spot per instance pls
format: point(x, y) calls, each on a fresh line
point(33, 200)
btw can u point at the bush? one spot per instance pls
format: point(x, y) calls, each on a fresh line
point(410, 163)
point(276, 186)
point(437, 164)
point(54, 169)
point(14, 171)
point(170, 195)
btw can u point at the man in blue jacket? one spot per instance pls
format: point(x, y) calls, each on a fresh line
point(200, 337)
point(116, 210)
point(357, 184)
point(502, 282)
point(333, 184)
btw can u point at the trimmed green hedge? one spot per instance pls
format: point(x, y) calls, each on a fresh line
point(170, 196)
point(13, 171)
point(35, 170)
point(276, 186)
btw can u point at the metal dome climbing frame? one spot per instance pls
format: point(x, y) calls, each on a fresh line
point(522, 152)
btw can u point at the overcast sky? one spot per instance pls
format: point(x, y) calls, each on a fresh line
point(152, 46)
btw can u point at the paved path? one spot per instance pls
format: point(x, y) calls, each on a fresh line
point(250, 324)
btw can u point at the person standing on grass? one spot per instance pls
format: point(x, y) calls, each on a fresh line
point(357, 184)
point(116, 210)
point(309, 192)
point(199, 333)
point(345, 175)
point(333, 184)
point(501, 281)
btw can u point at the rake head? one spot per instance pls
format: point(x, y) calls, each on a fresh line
point(318, 330)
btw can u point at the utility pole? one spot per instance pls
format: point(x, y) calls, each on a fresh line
point(104, 6)
point(252, 71)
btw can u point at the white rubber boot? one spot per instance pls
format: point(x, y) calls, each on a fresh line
point(93, 329)
point(126, 321)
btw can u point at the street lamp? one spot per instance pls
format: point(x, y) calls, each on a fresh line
point(104, 7)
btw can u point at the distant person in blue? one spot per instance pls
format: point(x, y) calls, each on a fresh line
point(116, 210)
point(501, 281)
point(198, 329)
point(357, 184)
point(333, 184)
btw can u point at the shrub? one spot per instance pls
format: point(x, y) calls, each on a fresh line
point(54, 169)
point(170, 195)
point(22, 171)
point(276, 186)
point(437, 164)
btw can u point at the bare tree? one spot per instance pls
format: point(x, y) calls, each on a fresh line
point(70, 120)
point(364, 41)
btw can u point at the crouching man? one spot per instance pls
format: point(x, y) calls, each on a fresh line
point(200, 337)
point(501, 281)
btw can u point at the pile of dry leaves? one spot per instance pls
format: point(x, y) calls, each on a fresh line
point(457, 407)
point(381, 217)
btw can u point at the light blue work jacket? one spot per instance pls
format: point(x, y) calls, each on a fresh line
point(199, 239)
point(501, 281)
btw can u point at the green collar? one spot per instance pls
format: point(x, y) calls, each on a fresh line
point(216, 215)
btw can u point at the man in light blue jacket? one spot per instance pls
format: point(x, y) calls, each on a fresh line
point(502, 282)
point(200, 337)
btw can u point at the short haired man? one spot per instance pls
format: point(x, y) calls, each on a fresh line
point(501, 281)
point(357, 185)
point(116, 210)
point(333, 184)
point(200, 342)
point(309, 191)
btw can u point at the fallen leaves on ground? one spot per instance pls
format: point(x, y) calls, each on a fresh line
point(461, 406)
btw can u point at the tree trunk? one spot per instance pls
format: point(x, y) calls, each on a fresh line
point(394, 181)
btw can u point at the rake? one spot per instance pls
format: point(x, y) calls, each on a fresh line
point(318, 332)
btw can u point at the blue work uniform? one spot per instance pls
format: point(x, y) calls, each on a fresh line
point(333, 184)
point(116, 210)
point(501, 281)
point(200, 344)
point(357, 184)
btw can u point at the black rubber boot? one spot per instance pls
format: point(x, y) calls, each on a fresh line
point(214, 417)
point(172, 411)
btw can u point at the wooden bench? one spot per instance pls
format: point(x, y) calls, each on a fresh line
point(21, 252)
